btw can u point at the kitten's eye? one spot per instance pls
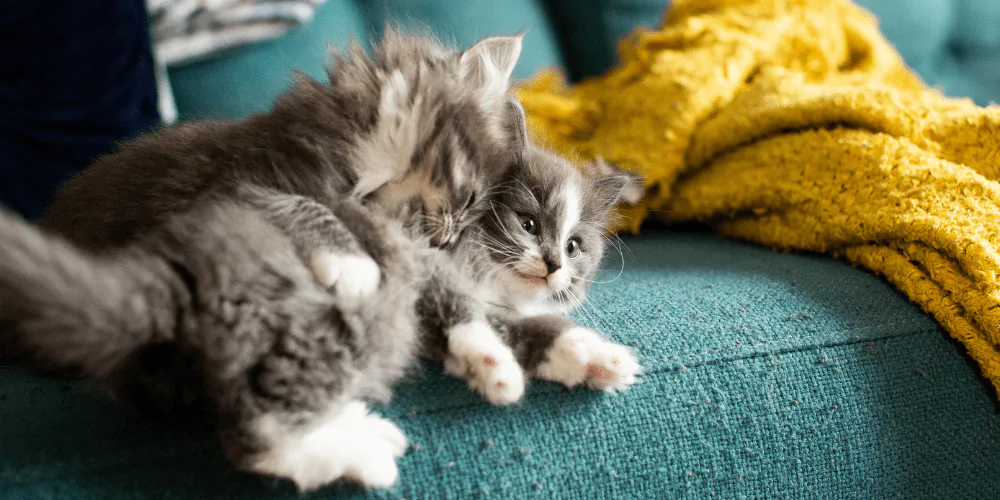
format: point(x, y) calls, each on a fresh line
point(573, 248)
point(528, 224)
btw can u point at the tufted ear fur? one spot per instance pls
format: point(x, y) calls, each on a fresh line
point(614, 184)
point(487, 65)
point(518, 123)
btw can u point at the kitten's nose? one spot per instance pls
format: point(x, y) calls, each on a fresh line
point(552, 265)
point(441, 239)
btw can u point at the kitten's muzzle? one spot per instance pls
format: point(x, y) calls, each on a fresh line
point(444, 238)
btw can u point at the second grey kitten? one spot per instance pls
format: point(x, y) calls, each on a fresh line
point(284, 369)
point(416, 122)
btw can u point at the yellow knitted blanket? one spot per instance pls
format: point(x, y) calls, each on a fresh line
point(794, 124)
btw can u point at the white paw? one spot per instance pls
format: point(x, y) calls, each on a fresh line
point(612, 367)
point(351, 276)
point(581, 356)
point(350, 444)
point(567, 359)
point(389, 433)
point(479, 356)
point(374, 464)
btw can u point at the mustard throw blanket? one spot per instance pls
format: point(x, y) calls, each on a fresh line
point(794, 124)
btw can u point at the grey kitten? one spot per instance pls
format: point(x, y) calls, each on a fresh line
point(518, 269)
point(282, 366)
point(414, 123)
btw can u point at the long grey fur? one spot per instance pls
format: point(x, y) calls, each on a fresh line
point(224, 289)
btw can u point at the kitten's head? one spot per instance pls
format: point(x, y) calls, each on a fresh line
point(443, 125)
point(457, 192)
point(545, 232)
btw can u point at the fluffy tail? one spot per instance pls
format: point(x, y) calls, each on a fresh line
point(70, 310)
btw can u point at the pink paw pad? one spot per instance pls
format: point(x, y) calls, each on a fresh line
point(595, 371)
point(489, 361)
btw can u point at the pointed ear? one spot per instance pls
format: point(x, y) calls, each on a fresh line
point(615, 185)
point(487, 66)
point(518, 122)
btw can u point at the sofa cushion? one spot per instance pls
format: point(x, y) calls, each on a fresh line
point(767, 375)
point(246, 80)
point(952, 44)
point(462, 27)
point(589, 30)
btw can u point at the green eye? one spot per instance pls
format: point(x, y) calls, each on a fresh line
point(573, 248)
point(529, 225)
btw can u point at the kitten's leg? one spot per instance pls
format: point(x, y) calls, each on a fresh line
point(330, 249)
point(292, 412)
point(554, 348)
point(344, 441)
point(454, 330)
point(476, 354)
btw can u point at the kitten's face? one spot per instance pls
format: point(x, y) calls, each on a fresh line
point(545, 230)
point(466, 179)
point(445, 131)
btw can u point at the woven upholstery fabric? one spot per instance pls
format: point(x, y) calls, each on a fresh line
point(768, 375)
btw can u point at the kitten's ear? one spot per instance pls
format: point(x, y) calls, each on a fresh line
point(614, 184)
point(487, 66)
point(518, 122)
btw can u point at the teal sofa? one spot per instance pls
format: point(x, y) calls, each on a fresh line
point(768, 375)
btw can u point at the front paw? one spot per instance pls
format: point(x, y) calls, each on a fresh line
point(351, 276)
point(581, 356)
point(485, 362)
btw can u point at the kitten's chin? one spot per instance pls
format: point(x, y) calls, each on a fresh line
point(533, 296)
point(527, 288)
point(524, 288)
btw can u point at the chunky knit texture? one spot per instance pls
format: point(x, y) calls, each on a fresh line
point(794, 124)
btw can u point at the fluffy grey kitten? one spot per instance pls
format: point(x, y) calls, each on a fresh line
point(516, 272)
point(416, 122)
point(284, 368)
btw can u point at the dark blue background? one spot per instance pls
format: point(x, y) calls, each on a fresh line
point(76, 78)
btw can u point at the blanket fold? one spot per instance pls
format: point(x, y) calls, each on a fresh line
point(795, 124)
